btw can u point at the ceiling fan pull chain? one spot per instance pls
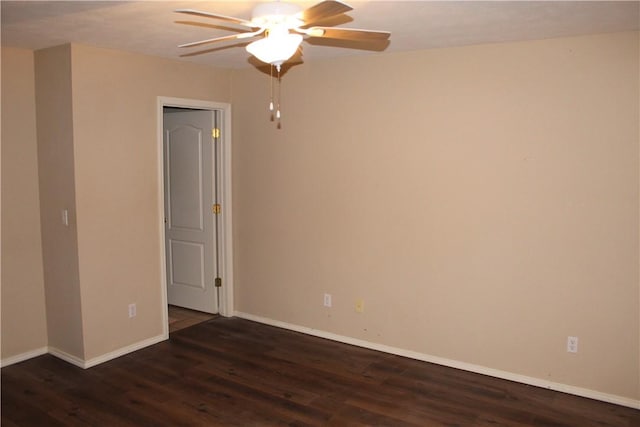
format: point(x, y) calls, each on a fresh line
point(279, 98)
point(271, 91)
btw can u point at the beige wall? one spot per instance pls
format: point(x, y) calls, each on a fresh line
point(97, 155)
point(116, 165)
point(482, 201)
point(24, 326)
point(57, 193)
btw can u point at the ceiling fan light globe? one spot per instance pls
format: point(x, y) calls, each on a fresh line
point(275, 50)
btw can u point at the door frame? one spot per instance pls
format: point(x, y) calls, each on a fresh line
point(225, 236)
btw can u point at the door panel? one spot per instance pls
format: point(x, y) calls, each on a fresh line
point(187, 264)
point(185, 159)
point(189, 195)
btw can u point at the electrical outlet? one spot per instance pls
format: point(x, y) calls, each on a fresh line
point(572, 344)
point(132, 310)
point(359, 306)
point(327, 300)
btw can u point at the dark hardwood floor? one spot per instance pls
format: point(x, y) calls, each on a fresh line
point(232, 372)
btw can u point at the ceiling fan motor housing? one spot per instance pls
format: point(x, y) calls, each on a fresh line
point(276, 13)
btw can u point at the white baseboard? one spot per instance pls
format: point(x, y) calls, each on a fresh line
point(124, 350)
point(70, 358)
point(79, 362)
point(23, 356)
point(578, 391)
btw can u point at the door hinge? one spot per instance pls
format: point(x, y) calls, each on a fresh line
point(216, 208)
point(218, 282)
point(215, 133)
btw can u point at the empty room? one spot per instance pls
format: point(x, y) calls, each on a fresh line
point(263, 213)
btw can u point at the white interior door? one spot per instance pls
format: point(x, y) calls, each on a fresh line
point(190, 227)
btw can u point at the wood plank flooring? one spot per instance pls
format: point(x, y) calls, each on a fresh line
point(180, 318)
point(232, 372)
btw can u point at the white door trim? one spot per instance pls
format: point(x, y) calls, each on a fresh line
point(226, 234)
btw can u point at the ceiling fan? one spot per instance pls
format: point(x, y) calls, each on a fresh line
point(282, 26)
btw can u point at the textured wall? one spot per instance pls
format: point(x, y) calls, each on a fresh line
point(482, 201)
point(57, 193)
point(24, 326)
point(116, 163)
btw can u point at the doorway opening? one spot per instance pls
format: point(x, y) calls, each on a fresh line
point(195, 198)
point(181, 318)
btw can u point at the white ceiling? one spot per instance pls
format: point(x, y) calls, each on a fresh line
point(150, 27)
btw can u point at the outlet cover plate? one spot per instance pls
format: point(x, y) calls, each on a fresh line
point(327, 300)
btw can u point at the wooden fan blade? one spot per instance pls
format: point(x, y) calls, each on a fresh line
point(213, 40)
point(211, 26)
point(348, 34)
point(323, 10)
point(297, 57)
point(223, 38)
point(238, 21)
point(217, 48)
